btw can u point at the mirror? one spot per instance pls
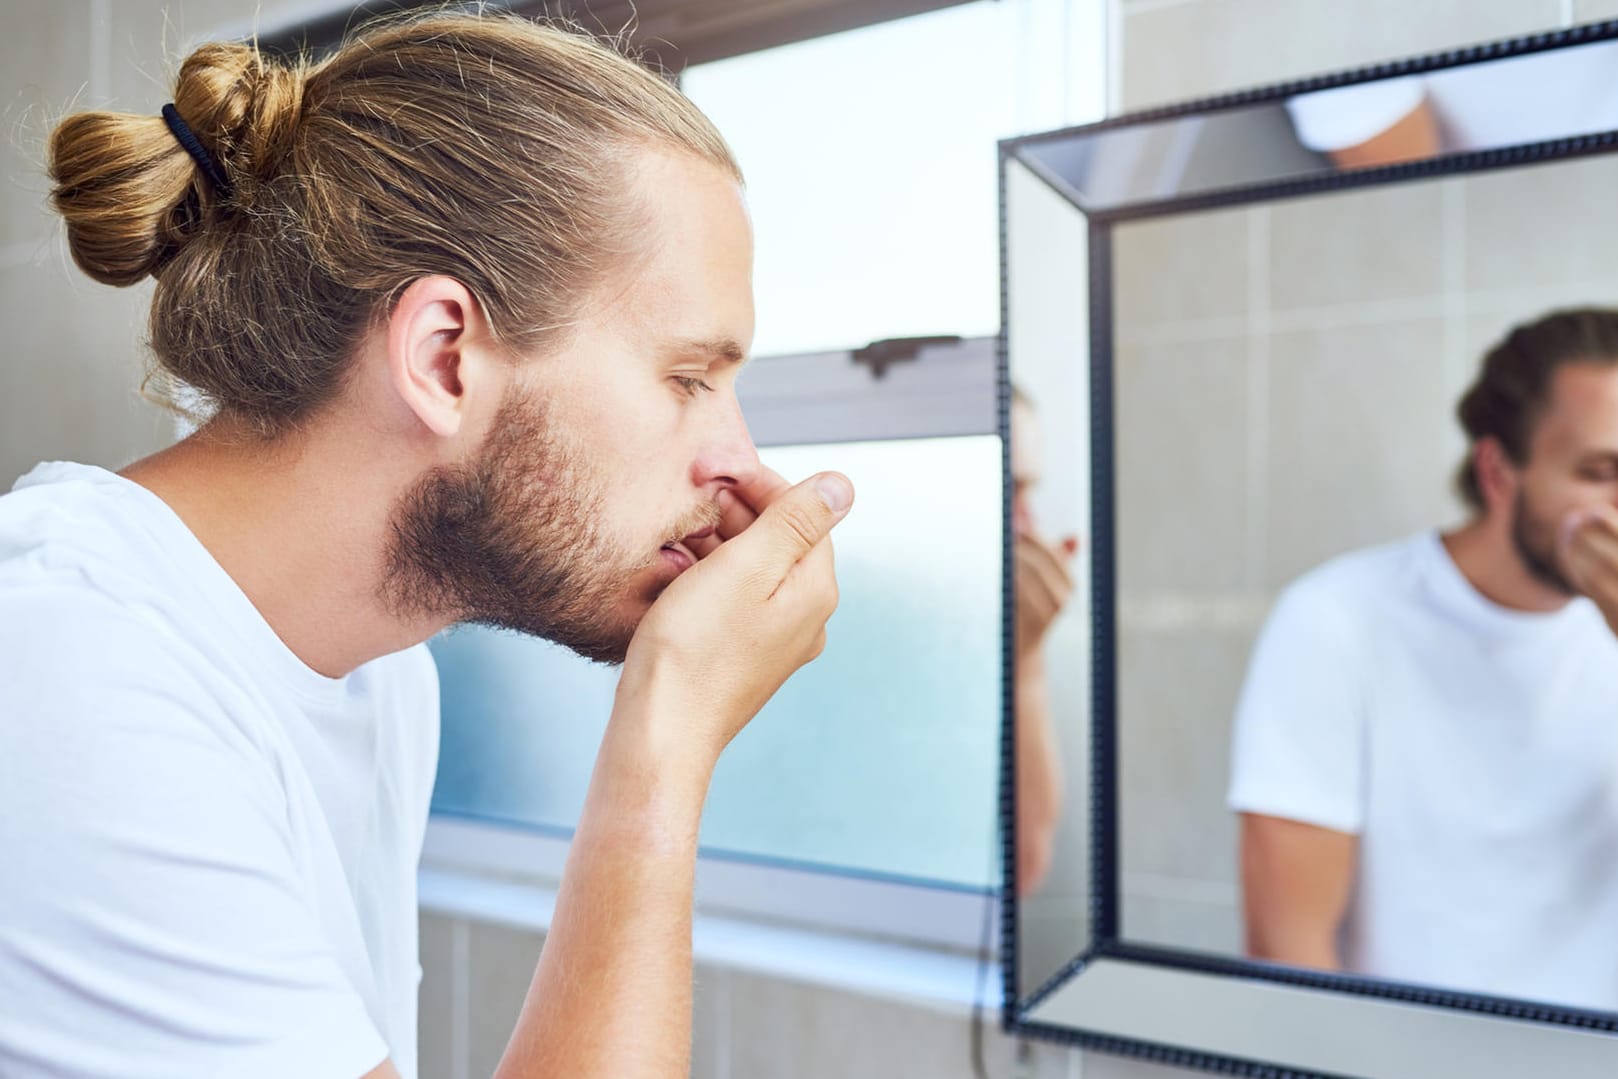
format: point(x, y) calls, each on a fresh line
point(1049, 412)
point(1389, 737)
point(1337, 722)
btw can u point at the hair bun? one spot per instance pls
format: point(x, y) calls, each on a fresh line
point(132, 197)
point(244, 108)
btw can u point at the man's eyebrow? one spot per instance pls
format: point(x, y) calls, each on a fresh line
point(718, 348)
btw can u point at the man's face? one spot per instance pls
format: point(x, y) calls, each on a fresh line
point(609, 451)
point(1025, 454)
point(1572, 465)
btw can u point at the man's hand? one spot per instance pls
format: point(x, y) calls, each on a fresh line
point(1044, 585)
point(1589, 549)
point(730, 630)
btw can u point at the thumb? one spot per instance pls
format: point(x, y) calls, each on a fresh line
point(798, 519)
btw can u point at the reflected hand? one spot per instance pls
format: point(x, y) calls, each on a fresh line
point(1589, 549)
point(1044, 585)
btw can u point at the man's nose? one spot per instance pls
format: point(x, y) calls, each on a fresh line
point(728, 457)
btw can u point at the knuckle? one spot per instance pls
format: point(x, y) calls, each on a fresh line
point(799, 521)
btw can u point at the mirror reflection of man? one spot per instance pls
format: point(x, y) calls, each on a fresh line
point(1043, 586)
point(1426, 748)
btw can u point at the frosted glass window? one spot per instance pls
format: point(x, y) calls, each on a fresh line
point(871, 164)
point(880, 757)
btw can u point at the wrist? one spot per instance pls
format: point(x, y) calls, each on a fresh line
point(1030, 664)
point(654, 724)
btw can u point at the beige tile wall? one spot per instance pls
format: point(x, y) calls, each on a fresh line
point(70, 378)
point(744, 1026)
point(1178, 49)
point(1592, 10)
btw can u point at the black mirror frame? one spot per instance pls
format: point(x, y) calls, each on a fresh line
point(1106, 942)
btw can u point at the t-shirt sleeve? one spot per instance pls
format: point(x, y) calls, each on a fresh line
point(1344, 116)
point(152, 916)
point(1299, 745)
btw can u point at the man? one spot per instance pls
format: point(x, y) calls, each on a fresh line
point(1426, 748)
point(469, 299)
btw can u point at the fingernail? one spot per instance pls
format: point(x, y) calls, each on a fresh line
point(835, 490)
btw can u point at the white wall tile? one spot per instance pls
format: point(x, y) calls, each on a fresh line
point(1359, 446)
point(501, 964)
point(1178, 51)
point(1179, 269)
point(1543, 226)
point(1181, 922)
point(435, 1003)
point(1384, 244)
point(710, 1023)
point(782, 1030)
point(1594, 10)
point(1182, 467)
point(69, 385)
point(1177, 691)
point(47, 70)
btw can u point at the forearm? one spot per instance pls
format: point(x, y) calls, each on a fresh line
point(1276, 941)
point(1297, 882)
point(612, 994)
point(1039, 774)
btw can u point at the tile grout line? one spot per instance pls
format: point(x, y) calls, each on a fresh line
point(460, 1051)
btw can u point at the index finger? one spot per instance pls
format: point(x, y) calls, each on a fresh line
point(761, 488)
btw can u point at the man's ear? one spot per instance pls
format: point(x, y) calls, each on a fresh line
point(432, 359)
point(1497, 475)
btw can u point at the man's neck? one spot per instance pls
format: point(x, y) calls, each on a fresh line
point(302, 527)
point(1483, 552)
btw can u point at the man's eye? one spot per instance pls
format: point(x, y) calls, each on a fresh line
point(691, 385)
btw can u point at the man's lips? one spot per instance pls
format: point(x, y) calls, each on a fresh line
point(680, 555)
point(683, 555)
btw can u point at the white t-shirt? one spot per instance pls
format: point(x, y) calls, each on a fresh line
point(208, 851)
point(1526, 99)
point(1474, 751)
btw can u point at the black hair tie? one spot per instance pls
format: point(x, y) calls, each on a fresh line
point(193, 146)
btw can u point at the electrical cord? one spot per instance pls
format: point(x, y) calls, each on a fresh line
point(980, 1069)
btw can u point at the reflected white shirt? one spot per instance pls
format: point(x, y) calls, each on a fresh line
point(1474, 751)
point(1524, 99)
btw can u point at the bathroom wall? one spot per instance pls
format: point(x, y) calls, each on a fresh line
point(69, 378)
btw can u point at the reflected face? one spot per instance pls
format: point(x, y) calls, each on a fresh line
point(1025, 456)
point(606, 454)
point(1572, 465)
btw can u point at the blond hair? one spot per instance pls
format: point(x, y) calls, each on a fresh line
point(485, 147)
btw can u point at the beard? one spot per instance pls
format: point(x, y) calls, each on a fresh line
point(1534, 539)
point(512, 540)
